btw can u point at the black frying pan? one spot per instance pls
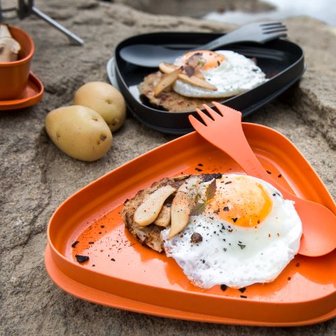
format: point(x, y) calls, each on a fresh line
point(281, 60)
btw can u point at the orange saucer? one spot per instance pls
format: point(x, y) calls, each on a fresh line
point(31, 95)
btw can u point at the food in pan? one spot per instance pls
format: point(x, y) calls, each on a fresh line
point(198, 76)
point(168, 99)
point(233, 230)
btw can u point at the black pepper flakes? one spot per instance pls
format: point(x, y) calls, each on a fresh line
point(226, 208)
point(279, 176)
point(209, 177)
point(223, 288)
point(196, 237)
point(81, 258)
point(242, 290)
point(268, 172)
point(112, 259)
point(234, 219)
point(289, 278)
point(74, 244)
point(243, 296)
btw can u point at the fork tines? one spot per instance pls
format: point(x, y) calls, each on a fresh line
point(271, 23)
point(273, 27)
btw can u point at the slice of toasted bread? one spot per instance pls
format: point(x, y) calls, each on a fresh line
point(150, 235)
point(168, 99)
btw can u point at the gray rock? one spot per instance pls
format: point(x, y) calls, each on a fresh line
point(36, 177)
point(195, 8)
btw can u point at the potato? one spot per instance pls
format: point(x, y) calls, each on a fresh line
point(106, 100)
point(79, 132)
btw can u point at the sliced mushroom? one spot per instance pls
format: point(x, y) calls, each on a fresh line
point(199, 75)
point(182, 205)
point(181, 177)
point(193, 80)
point(164, 216)
point(167, 80)
point(149, 210)
point(167, 68)
point(9, 47)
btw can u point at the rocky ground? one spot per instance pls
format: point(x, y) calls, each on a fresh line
point(36, 177)
point(195, 8)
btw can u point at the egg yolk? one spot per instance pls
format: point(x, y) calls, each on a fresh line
point(241, 201)
point(203, 59)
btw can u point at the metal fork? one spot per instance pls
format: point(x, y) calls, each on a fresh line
point(223, 129)
point(149, 55)
point(253, 32)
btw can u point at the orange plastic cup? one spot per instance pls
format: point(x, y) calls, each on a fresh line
point(14, 75)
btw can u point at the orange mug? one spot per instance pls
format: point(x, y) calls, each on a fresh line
point(14, 75)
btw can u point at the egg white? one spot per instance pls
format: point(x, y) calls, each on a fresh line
point(237, 74)
point(238, 256)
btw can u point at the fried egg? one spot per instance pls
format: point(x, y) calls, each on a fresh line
point(231, 73)
point(245, 233)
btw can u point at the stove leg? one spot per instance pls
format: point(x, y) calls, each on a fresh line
point(71, 36)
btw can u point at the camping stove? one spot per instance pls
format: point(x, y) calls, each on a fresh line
point(26, 8)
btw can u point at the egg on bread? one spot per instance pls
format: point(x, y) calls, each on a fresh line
point(229, 229)
point(199, 77)
point(229, 73)
point(247, 233)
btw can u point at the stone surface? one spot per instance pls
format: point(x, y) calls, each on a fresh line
point(36, 177)
point(195, 8)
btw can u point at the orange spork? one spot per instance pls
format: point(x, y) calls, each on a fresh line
point(223, 129)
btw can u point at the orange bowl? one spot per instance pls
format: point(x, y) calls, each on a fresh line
point(14, 75)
